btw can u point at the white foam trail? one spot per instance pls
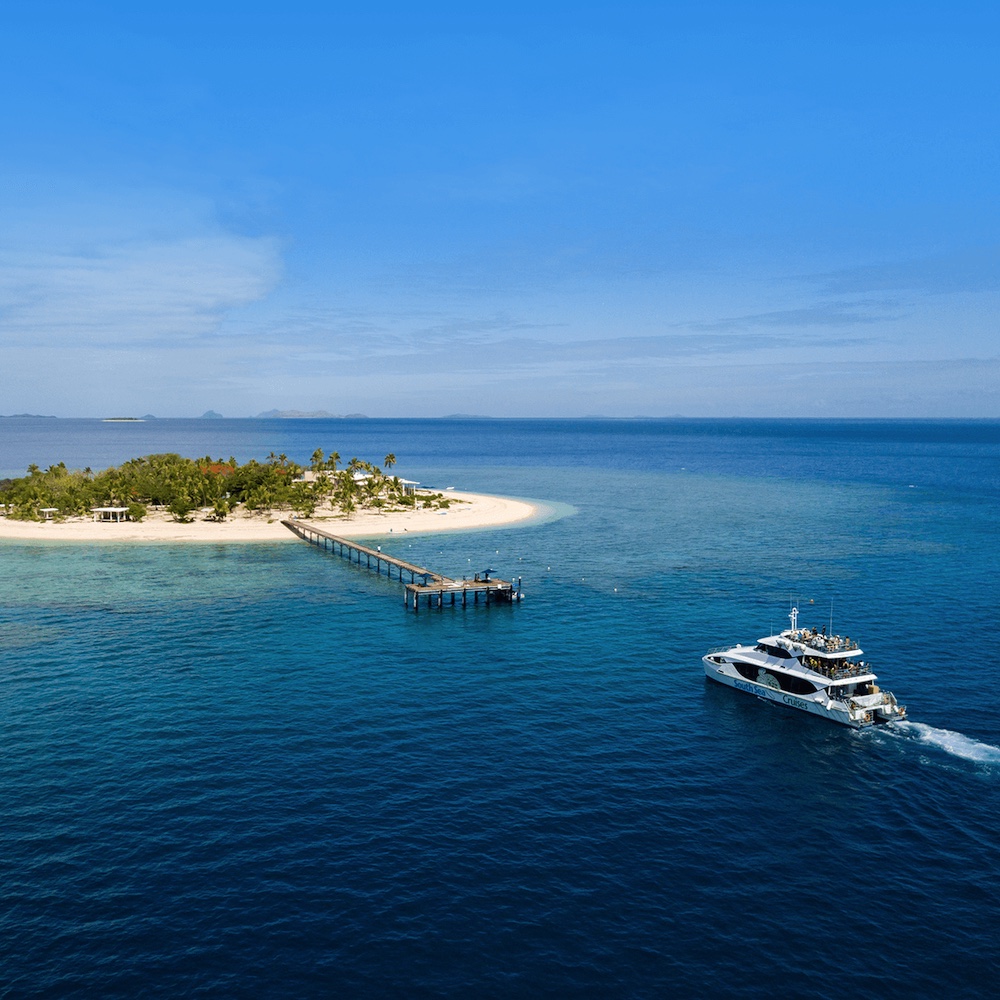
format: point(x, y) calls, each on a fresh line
point(953, 743)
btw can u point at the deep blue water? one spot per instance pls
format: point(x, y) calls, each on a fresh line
point(247, 771)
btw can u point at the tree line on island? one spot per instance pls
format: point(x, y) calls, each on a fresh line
point(217, 487)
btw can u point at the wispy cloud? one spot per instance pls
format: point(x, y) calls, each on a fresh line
point(824, 314)
point(156, 269)
point(132, 292)
point(348, 334)
point(524, 356)
point(452, 329)
point(976, 270)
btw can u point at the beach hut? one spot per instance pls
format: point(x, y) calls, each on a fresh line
point(110, 513)
point(49, 511)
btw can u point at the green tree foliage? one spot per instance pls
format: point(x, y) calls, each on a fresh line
point(218, 486)
point(181, 507)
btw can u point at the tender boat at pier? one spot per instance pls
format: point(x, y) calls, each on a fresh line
point(809, 670)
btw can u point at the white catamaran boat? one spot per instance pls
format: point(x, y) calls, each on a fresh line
point(809, 670)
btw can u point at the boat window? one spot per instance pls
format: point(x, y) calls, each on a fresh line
point(796, 685)
point(781, 654)
point(793, 685)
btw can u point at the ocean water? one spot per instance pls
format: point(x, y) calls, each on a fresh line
point(246, 770)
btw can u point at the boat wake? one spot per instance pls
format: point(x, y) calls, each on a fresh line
point(944, 739)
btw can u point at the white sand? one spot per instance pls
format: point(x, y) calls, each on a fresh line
point(474, 511)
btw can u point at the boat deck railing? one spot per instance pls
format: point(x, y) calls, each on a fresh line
point(840, 671)
point(821, 643)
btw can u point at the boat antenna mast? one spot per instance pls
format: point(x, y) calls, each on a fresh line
point(794, 617)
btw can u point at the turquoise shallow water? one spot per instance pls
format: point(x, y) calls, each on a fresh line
point(247, 770)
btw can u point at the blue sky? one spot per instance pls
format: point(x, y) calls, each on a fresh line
point(548, 209)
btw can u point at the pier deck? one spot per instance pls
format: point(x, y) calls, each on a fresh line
point(436, 588)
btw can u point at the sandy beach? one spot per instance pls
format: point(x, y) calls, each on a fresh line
point(468, 511)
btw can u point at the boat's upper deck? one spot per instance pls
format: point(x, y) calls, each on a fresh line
point(807, 653)
point(838, 669)
point(810, 642)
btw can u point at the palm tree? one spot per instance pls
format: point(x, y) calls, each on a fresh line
point(346, 493)
point(373, 486)
point(390, 460)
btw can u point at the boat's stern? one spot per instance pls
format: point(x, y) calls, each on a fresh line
point(875, 709)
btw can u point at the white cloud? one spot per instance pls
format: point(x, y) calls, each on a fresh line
point(970, 270)
point(141, 273)
point(132, 292)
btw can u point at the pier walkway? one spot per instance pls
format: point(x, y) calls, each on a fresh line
point(423, 583)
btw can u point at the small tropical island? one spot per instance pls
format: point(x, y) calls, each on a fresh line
point(170, 497)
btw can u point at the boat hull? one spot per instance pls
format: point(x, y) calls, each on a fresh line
point(813, 706)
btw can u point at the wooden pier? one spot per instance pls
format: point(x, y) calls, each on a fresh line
point(437, 589)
